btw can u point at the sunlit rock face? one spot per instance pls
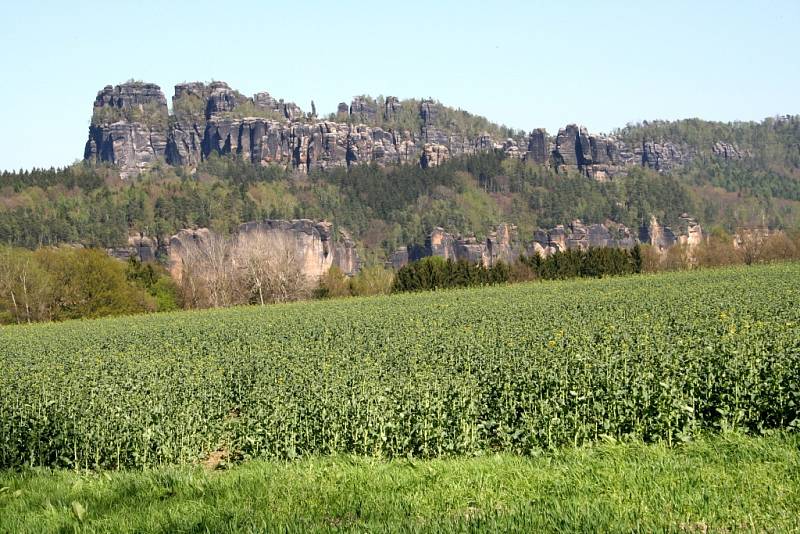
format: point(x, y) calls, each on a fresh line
point(503, 243)
point(133, 129)
point(310, 246)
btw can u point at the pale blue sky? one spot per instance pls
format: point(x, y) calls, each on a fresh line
point(524, 64)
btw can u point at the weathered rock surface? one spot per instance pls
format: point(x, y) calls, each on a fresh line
point(128, 127)
point(132, 146)
point(664, 156)
point(501, 244)
point(312, 246)
point(132, 129)
point(662, 237)
point(222, 99)
point(143, 248)
point(289, 110)
point(504, 244)
point(579, 236)
point(433, 154)
point(538, 149)
point(568, 150)
point(690, 232)
point(392, 106)
point(311, 243)
point(728, 151)
point(596, 156)
point(130, 95)
point(363, 110)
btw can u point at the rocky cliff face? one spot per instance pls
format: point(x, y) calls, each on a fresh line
point(579, 236)
point(129, 127)
point(143, 248)
point(503, 243)
point(132, 128)
point(311, 245)
point(688, 232)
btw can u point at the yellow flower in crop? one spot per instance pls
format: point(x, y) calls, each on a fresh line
point(551, 343)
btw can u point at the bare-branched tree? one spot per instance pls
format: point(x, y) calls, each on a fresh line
point(24, 287)
point(208, 277)
point(749, 242)
point(270, 268)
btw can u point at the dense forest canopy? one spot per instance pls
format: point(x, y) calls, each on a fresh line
point(772, 149)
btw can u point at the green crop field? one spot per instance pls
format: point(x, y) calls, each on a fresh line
point(518, 369)
point(648, 403)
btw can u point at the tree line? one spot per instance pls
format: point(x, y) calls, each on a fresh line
point(55, 284)
point(437, 273)
point(59, 283)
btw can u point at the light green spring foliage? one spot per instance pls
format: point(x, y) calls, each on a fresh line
point(369, 281)
point(725, 484)
point(515, 369)
point(150, 114)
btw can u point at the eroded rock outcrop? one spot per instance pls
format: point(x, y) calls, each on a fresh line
point(433, 154)
point(660, 237)
point(142, 247)
point(538, 146)
point(132, 146)
point(596, 156)
point(504, 244)
point(129, 127)
point(310, 246)
point(132, 128)
point(728, 151)
point(501, 244)
point(579, 236)
point(311, 243)
point(665, 156)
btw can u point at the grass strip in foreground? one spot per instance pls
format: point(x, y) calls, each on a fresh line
point(721, 484)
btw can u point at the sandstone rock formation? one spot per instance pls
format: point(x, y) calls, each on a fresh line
point(143, 248)
point(688, 232)
point(433, 154)
point(132, 128)
point(596, 156)
point(128, 127)
point(311, 245)
point(130, 95)
point(504, 244)
point(363, 110)
point(578, 236)
point(538, 146)
point(133, 146)
point(728, 151)
point(665, 156)
point(501, 244)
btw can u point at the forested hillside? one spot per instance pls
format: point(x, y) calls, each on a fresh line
point(387, 206)
point(767, 162)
